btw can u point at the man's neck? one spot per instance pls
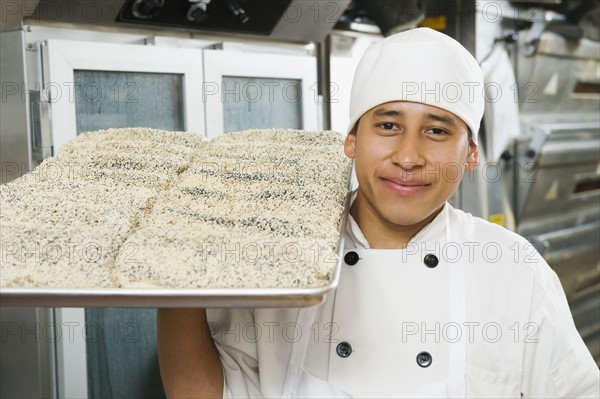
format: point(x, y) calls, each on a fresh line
point(380, 233)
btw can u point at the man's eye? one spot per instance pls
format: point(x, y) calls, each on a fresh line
point(387, 125)
point(437, 131)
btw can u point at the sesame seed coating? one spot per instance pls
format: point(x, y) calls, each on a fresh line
point(155, 209)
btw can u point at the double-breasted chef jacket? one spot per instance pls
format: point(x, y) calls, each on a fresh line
point(468, 309)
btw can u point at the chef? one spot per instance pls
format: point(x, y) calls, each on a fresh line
point(432, 302)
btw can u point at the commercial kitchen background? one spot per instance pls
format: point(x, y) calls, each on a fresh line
point(227, 65)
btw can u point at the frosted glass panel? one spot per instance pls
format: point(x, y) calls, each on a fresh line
point(105, 99)
point(122, 359)
point(261, 103)
point(122, 356)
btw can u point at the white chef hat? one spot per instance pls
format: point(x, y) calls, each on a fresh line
point(419, 65)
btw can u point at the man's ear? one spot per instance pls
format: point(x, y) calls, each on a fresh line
point(472, 157)
point(350, 143)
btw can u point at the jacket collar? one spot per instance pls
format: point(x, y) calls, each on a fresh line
point(432, 232)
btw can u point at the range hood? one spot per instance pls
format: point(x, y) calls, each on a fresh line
point(289, 20)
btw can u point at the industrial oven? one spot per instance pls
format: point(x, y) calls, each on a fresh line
point(553, 169)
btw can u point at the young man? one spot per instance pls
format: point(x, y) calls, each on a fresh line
point(437, 303)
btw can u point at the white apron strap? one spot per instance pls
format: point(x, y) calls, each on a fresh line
point(295, 367)
point(458, 350)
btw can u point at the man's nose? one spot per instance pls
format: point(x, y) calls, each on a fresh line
point(408, 152)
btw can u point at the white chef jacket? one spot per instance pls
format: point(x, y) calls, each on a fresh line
point(518, 333)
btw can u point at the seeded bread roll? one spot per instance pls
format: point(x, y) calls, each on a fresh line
point(254, 209)
point(128, 135)
point(220, 258)
point(23, 193)
point(65, 234)
point(74, 204)
point(131, 157)
point(45, 256)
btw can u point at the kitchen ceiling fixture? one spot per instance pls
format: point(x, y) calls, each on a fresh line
point(286, 20)
point(244, 16)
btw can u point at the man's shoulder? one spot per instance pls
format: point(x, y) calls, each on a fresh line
point(501, 248)
point(474, 227)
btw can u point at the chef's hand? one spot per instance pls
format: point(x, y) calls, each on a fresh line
point(189, 361)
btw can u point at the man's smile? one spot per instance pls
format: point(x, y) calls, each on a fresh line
point(405, 186)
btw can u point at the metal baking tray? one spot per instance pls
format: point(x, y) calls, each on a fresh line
point(184, 297)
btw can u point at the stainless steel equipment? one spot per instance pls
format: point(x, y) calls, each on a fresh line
point(287, 20)
point(557, 192)
point(554, 174)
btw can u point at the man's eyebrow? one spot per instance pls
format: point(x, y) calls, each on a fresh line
point(441, 118)
point(388, 112)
